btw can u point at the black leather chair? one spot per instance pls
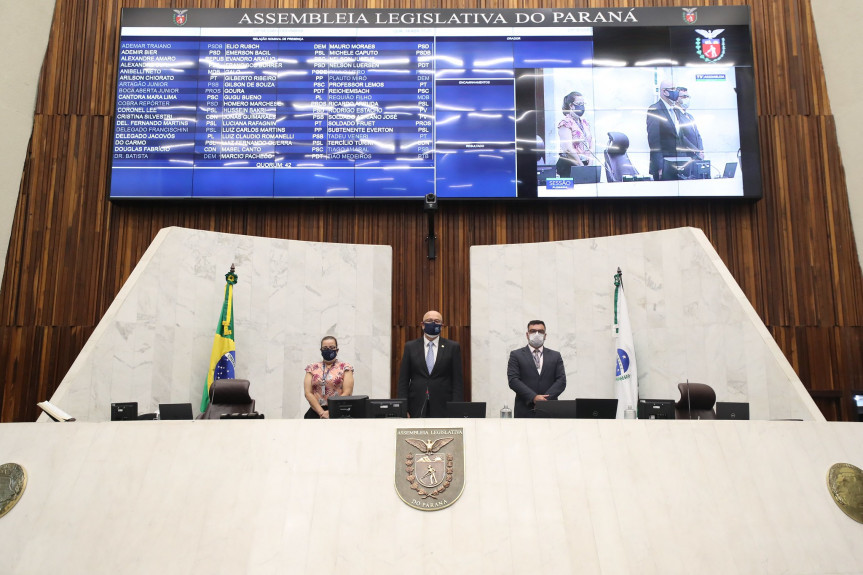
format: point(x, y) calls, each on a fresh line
point(696, 401)
point(617, 162)
point(229, 396)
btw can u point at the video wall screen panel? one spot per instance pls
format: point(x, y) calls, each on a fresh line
point(511, 104)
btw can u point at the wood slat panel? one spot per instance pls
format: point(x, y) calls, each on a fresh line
point(793, 252)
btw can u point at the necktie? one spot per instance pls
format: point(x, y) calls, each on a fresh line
point(536, 357)
point(679, 119)
point(430, 357)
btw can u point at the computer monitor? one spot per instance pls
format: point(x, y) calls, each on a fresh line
point(732, 410)
point(175, 411)
point(384, 408)
point(126, 411)
point(543, 173)
point(675, 168)
point(348, 406)
point(595, 408)
point(473, 409)
point(585, 174)
point(699, 170)
point(556, 409)
point(656, 409)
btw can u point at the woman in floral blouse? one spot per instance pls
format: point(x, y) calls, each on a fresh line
point(575, 136)
point(327, 378)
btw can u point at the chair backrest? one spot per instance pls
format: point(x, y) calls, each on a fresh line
point(229, 396)
point(617, 162)
point(696, 401)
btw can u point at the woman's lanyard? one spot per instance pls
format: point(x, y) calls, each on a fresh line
point(325, 377)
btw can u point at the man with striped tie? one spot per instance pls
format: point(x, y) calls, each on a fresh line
point(535, 372)
point(430, 373)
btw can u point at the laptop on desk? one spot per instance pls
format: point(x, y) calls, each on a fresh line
point(595, 408)
point(555, 409)
point(585, 174)
point(175, 411)
point(473, 409)
point(732, 410)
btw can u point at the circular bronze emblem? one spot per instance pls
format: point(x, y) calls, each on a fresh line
point(845, 482)
point(13, 480)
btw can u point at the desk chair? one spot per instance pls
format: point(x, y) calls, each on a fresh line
point(696, 401)
point(229, 396)
point(617, 162)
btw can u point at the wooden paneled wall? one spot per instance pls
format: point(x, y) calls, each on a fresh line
point(793, 252)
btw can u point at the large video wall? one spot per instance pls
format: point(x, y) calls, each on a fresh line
point(490, 104)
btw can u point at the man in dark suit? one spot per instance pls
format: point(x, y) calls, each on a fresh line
point(662, 128)
point(430, 373)
point(690, 138)
point(535, 372)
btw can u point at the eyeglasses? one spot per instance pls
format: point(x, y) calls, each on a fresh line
point(434, 321)
point(683, 97)
point(329, 348)
point(533, 331)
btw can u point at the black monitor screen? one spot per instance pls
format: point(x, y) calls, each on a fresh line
point(383, 408)
point(732, 410)
point(470, 409)
point(127, 411)
point(503, 104)
point(176, 411)
point(590, 408)
point(558, 409)
point(348, 406)
point(656, 409)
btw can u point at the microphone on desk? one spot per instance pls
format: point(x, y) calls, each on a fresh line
point(689, 400)
point(601, 163)
point(425, 403)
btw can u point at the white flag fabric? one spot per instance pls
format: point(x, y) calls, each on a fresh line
point(626, 370)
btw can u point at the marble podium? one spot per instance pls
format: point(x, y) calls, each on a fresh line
point(540, 496)
point(690, 320)
point(153, 344)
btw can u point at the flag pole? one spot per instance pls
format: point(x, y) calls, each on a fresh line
point(223, 354)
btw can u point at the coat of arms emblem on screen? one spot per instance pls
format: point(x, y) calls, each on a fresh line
point(429, 467)
point(710, 48)
point(690, 15)
point(180, 17)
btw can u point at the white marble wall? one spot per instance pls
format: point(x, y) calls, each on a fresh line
point(690, 320)
point(153, 344)
point(549, 496)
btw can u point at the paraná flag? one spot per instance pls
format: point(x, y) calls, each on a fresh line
point(626, 371)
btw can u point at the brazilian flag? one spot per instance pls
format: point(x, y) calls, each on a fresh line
point(223, 357)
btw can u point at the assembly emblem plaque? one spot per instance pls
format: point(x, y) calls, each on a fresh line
point(13, 481)
point(429, 467)
point(845, 482)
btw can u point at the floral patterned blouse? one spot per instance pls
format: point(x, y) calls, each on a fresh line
point(331, 377)
point(580, 130)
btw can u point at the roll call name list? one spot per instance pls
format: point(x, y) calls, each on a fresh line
point(272, 103)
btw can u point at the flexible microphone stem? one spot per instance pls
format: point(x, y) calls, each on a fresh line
point(425, 403)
